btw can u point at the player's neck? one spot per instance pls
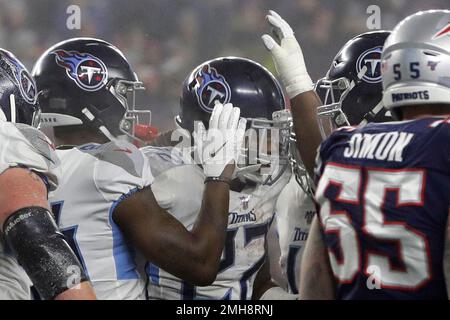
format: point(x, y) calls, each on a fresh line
point(78, 139)
point(424, 111)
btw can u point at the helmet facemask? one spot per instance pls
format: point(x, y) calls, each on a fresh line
point(36, 118)
point(265, 153)
point(135, 124)
point(330, 115)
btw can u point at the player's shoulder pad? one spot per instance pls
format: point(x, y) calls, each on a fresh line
point(440, 123)
point(25, 146)
point(442, 134)
point(337, 136)
point(340, 135)
point(121, 154)
point(39, 142)
point(120, 169)
point(164, 158)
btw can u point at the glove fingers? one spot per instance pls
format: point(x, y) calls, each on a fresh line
point(234, 119)
point(240, 132)
point(274, 21)
point(270, 43)
point(225, 116)
point(276, 17)
point(275, 14)
point(200, 134)
point(284, 29)
point(214, 120)
point(199, 138)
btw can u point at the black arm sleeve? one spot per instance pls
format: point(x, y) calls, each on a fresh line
point(43, 252)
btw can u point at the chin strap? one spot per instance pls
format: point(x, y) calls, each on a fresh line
point(88, 114)
point(12, 104)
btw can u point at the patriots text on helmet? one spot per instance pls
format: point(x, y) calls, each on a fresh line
point(418, 95)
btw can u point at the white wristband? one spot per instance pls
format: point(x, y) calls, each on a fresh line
point(299, 85)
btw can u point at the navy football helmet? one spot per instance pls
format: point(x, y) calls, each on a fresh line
point(352, 89)
point(18, 94)
point(89, 82)
point(251, 87)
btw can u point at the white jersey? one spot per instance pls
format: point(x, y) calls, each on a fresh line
point(95, 179)
point(295, 211)
point(23, 146)
point(178, 188)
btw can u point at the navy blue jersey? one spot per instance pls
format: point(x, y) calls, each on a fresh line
point(384, 196)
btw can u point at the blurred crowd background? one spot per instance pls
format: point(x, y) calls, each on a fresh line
point(165, 39)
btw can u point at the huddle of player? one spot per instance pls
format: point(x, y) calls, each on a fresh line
point(117, 213)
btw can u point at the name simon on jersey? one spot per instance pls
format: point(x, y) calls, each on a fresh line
point(387, 146)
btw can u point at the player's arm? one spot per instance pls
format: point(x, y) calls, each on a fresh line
point(447, 257)
point(192, 256)
point(263, 281)
point(316, 276)
point(290, 64)
point(30, 231)
point(264, 288)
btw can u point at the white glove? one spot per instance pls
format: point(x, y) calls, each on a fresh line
point(222, 143)
point(287, 56)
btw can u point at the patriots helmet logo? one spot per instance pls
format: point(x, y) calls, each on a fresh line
point(211, 87)
point(371, 59)
point(25, 81)
point(86, 70)
point(442, 32)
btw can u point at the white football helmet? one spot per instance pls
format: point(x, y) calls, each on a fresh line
point(416, 61)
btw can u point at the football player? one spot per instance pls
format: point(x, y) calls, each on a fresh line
point(294, 212)
point(352, 95)
point(357, 65)
point(263, 171)
point(383, 189)
point(28, 170)
point(106, 205)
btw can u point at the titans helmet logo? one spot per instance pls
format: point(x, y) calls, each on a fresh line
point(211, 87)
point(86, 70)
point(25, 81)
point(372, 60)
